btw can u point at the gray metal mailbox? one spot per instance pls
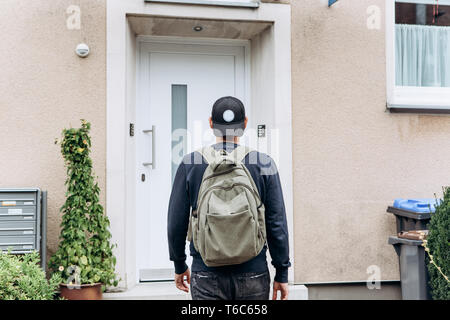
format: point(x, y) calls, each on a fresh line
point(23, 217)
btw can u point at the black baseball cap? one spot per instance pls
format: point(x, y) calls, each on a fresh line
point(228, 117)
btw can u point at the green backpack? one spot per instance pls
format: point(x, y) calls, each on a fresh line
point(228, 225)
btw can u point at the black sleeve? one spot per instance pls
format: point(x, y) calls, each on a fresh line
point(178, 220)
point(276, 227)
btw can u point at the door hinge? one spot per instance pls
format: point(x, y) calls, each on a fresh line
point(131, 129)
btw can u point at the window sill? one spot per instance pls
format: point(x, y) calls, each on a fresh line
point(432, 100)
point(418, 109)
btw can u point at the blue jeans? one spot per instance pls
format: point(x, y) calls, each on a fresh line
point(210, 285)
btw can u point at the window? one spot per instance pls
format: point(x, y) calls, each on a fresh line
point(418, 54)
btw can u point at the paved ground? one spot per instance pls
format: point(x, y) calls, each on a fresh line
point(167, 291)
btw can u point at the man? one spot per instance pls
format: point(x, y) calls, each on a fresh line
point(243, 281)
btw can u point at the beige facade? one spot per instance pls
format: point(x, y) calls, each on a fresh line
point(350, 156)
point(45, 87)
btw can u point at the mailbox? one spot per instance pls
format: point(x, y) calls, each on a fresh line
point(23, 217)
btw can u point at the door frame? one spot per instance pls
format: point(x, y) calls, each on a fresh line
point(211, 47)
point(273, 47)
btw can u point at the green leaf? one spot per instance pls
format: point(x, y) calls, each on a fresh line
point(83, 260)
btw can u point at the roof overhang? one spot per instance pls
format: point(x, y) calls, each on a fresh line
point(227, 3)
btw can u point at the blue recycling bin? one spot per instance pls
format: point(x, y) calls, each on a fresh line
point(413, 214)
point(417, 205)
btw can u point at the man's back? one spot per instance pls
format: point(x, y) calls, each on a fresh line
point(184, 198)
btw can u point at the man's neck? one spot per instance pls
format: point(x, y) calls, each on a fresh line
point(222, 140)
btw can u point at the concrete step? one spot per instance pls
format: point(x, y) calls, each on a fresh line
point(168, 291)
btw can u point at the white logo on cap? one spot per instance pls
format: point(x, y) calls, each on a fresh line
point(228, 115)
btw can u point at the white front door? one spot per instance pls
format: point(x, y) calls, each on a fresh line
point(177, 86)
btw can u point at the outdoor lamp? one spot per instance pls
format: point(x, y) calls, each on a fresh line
point(82, 50)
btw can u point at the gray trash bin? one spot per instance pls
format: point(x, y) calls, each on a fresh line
point(413, 270)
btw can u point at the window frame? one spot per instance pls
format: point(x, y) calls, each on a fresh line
point(406, 98)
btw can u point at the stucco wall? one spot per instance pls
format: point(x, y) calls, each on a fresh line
point(351, 157)
point(45, 87)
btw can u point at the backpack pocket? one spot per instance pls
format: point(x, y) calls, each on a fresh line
point(230, 238)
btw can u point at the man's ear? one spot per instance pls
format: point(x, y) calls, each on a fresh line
point(245, 122)
point(210, 122)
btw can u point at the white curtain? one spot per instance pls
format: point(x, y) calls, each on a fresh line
point(422, 56)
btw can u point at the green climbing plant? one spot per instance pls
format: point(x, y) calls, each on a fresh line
point(85, 254)
point(437, 245)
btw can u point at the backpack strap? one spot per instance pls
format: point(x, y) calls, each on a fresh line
point(209, 153)
point(239, 153)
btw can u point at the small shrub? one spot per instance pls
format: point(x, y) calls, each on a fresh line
point(438, 243)
point(21, 278)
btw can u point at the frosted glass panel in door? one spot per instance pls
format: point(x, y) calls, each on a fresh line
point(179, 125)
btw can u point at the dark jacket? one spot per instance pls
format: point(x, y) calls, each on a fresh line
point(184, 197)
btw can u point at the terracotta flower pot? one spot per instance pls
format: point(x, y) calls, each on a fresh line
point(82, 292)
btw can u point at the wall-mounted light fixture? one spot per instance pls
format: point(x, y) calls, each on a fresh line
point(82, 50)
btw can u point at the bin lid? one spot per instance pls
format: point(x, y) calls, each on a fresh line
point(419, 205)
point(397, 241)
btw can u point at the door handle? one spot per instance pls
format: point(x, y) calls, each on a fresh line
point(152, 164)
